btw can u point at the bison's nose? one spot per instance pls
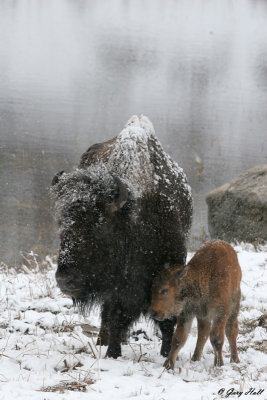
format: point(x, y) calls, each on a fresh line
point(153, 313)
point(65, 283)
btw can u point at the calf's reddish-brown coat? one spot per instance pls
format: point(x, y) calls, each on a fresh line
point(207, 288)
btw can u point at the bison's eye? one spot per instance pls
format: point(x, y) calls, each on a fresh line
point(100, 231)
point(163, 291)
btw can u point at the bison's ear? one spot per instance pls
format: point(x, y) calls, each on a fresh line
point(123, 193)
point(123, 196)
point(180, 273)
point(56, 178)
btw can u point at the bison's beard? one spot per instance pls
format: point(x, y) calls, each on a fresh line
point(84, 304)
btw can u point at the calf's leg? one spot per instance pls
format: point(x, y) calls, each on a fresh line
point(231, 331)
point(217, 337)
point(184, 323)
point(203, 326)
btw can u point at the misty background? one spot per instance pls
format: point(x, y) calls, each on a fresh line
point(72, 72)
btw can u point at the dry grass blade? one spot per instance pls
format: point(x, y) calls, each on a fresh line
point(3, 378)
point(263, 321)
point(248, 325)
point(164, 370)
point(11, 358)
point(92, 350)
point(72, 386)
point(90, 330)
point(261, 346)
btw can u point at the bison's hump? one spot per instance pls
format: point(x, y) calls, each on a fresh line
point(137, 156)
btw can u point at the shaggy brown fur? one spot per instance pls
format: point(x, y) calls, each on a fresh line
point(208, 288)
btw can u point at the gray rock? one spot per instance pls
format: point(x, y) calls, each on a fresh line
point(238, 209)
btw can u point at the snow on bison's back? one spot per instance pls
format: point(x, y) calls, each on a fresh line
point(123, 214)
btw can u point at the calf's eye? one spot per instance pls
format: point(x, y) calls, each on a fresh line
point(164, 291)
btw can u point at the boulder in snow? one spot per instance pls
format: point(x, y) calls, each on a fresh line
point(238, 209)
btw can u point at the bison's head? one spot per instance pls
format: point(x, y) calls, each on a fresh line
point(95, 210)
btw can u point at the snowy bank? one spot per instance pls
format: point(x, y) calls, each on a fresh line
point(46, 355)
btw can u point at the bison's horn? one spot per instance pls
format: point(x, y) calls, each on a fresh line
point(56, 178)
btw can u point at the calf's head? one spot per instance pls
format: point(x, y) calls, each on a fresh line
point(168, 293)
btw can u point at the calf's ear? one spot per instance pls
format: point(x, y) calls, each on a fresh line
point(178, 275)
point(56, 178)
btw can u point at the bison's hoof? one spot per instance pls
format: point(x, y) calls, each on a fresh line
point(164, 352)
point(165, 349)
point(168, 364)
point(102, 341)
point(113, 353)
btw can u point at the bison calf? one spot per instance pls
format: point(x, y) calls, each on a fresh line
point(208, 288)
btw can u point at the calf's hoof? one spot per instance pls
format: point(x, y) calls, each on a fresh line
point(235, 359)
point(218, 363)
point(168, 364)
point(195, 357)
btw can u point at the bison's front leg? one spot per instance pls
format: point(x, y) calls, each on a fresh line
point(103, 337)
point(167, 329)
point(120, 320)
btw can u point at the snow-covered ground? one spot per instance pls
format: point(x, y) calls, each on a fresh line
point(44, 353)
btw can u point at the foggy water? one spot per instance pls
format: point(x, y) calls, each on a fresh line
point(73, 71)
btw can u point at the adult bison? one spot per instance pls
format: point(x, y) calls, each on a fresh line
point(124, 215)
